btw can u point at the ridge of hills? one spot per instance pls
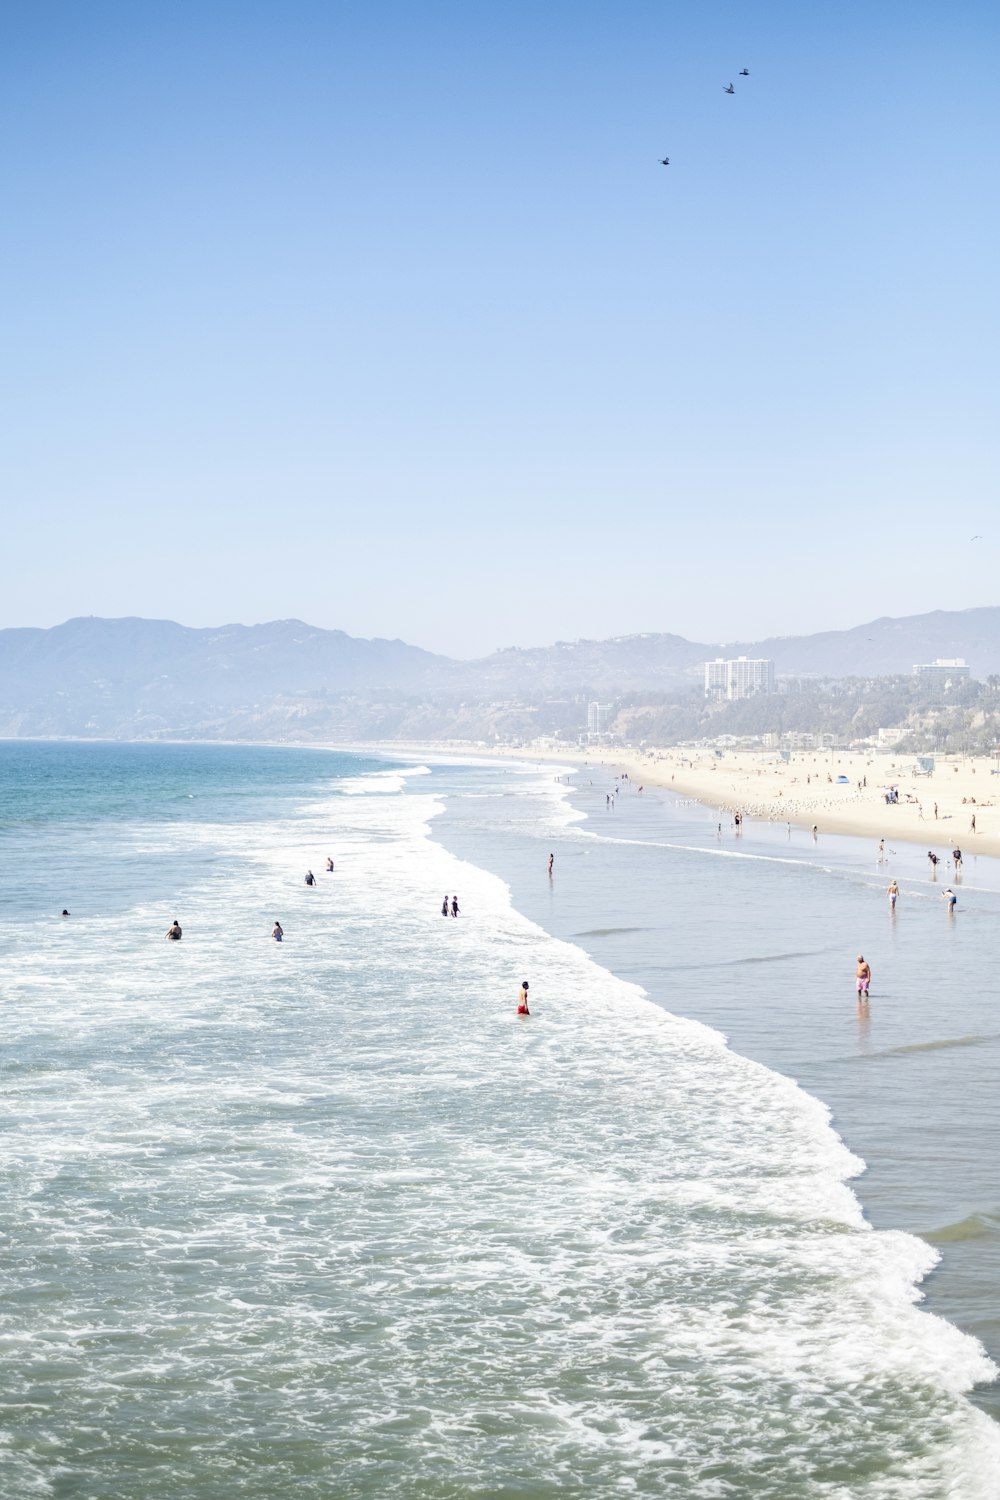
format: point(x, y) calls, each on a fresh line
point(139, 678)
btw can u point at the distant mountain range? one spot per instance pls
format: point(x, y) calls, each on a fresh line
point(138, 678)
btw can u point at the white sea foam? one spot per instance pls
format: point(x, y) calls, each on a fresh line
point(327, 1215)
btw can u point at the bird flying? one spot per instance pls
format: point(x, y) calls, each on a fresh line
point(744, 72)
point(729, 89)
point(664, 161)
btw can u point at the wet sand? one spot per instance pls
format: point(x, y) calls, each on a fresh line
point(934, 810)
point(756, 934)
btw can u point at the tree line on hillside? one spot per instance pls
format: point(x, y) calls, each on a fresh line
point(965, 716)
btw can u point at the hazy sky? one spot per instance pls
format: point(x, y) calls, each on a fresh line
point(386, 316)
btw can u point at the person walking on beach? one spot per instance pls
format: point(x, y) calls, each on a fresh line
point(522, 1000)
point(952, 900)
point(278, 932)
point(972, 825)
point(956, 855)
point(863, 978)
point(881, 850)
point(552, 860)
point(173, 933)
point(893, 894)
point(454, 906)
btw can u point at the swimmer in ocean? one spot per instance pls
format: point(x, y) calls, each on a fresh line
point(173, 933)
point(329, 864)
point(444, 907)
point(310, 878)
point(522, 1000)
point(278, 932)
point(863, 977)
point(454, 906)
point(893, 894)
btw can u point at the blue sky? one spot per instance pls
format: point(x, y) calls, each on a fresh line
point(386, 317)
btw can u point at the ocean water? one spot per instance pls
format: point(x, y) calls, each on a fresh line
point(757, 935)
point(326, 1218)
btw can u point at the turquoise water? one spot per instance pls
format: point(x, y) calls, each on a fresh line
point(326, 1218)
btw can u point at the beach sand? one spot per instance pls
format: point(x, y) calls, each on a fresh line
point(934, 810)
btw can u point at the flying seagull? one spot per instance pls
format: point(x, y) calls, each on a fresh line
point(665, 161)
point(744, 72)
point(976, 538)
point(729, 89)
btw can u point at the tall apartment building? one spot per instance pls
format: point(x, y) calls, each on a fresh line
point(597, 717)
point(715, 678)
point(738, 677)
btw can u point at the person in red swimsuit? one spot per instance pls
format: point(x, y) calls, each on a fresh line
point(522, 1001)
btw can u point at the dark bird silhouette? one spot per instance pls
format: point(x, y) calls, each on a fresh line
point(744, 72)
point(729, 89)
point(976, 538)
point(664, 161)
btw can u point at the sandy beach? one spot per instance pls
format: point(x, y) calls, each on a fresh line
point(955, 806)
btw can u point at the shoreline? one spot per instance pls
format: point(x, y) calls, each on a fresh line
point(802, 790)
point(818, 1037)
point(934, 810)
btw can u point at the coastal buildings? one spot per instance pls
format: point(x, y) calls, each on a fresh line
point(943, 672)
point(597, 717)
point(738, 677)
point(715, 678)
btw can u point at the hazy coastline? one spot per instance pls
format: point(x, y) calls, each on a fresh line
point(803, 791)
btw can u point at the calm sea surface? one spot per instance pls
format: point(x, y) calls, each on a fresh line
point(325, 1218)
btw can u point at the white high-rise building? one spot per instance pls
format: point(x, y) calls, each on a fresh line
point(597, 717)
point(715, 678)
point(738, 677)
point(749, 676)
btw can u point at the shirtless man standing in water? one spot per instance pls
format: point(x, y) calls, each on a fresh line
point(863, 977)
